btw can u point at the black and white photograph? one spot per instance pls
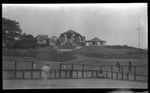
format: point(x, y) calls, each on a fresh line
point(70, 46)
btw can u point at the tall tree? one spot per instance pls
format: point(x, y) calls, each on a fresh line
point(26, 41)
point(10, 32)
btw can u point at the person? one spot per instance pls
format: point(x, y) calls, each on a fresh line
point(101, 74)
point(118, 66)
point(45, 73)
point(34, 66)
point(130, 67)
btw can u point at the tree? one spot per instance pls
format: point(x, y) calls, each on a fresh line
point(26, 41)
point(10, 32)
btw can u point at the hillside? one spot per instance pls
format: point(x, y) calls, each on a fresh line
point(112, 52)
point(108, 52)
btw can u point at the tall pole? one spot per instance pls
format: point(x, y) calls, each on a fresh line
point(139, 31)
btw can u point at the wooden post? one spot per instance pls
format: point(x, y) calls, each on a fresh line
point(77, 73)
point(15, 73)
point(122, 72)
point(111, 72)
point(83, 71)
point(55, 74)
point(50, 74)
point(23, 74)
point(60, 70)
point(66, 73)
point(71, 70)
point(117, 75)
point(32, 70)
point(92, 74)
point(127, 76)
point(40, 73)
point(106, 74)
point(135, 73)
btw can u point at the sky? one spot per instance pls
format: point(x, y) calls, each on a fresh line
point(116, 23)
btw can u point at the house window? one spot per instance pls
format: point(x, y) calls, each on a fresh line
point(94, 43)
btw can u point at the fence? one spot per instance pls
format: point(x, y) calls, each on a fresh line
point(79, 71)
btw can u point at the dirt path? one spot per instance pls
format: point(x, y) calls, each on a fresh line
point(72, 83)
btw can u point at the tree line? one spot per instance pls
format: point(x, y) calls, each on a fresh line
point(12, 36)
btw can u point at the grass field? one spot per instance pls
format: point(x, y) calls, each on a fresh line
point(139, 57)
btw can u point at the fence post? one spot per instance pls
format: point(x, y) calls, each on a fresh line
point(106, 74)
point(15, 70)
point(32, 70)
point(135, 73)
point(40, 74)
point(117, 75)
point(127, 76)
point(71, 70)
point(23, 74)
point(55, 74)
point(77, 73)
point(92, 74)
point(122, 72)
point(112, 72)
point(50, 74)
point(60, 70)
point(66, 73)
point(83, 71)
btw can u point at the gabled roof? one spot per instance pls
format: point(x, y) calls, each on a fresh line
point(53, 37)
point(96, 40)
point(42, 36)
point(71, 31)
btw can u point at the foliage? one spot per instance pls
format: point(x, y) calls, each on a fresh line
point(10, 32)
point(18, 53)
point(26, 41)
point(67, 46)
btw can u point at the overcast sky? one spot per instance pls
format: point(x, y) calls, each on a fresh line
point(115, 23)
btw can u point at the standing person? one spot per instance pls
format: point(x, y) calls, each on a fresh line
point(118, 66)
point(45, 73)
point(34, 66)
point(130, 67)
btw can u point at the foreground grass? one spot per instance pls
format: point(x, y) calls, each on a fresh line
point(72, 83)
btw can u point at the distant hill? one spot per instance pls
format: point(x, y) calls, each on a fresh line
point(112, 52)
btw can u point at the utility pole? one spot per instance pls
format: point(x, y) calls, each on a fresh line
point(139, 30)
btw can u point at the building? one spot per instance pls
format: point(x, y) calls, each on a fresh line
point(71, 39)
point(95, 42)
point(42, 40)
point(53, 41)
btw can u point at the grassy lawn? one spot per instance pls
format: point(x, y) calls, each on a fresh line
point(140, 58)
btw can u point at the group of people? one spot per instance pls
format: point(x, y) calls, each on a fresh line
point(129, 67)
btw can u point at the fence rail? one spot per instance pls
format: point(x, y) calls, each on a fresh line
point(73, 73)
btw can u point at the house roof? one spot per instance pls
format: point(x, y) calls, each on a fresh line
point(71, 31)
point(96, 40)
point(42, 36)
point(53, 37)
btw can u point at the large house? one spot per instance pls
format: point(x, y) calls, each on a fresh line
point(95, 42)
point(71, 39)
point(42, 40)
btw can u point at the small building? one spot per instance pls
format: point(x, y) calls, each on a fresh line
point(42, 40)
point(95, 42)
point(53, 41)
